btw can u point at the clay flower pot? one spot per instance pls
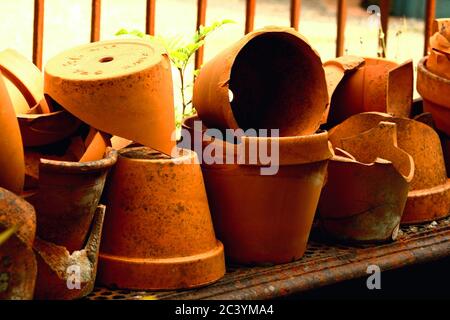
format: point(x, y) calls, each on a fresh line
point(158, 232)
point(378, 85)
point(266, 219)
point(276, 80)
point(439, 58)
point(67, 198)
point(121, 87)
point(12, 170)
point(367, 187)
point(429, 195)
point(57, 268)
point(17, 261)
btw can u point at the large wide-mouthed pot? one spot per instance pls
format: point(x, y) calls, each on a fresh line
point(272, 78)
point(265, 218)
point(158, 232)
point(121, 87)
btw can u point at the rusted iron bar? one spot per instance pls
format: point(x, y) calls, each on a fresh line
point(38, 32)
point(295, 13)
point(201, 20)
point(95, 20)
point(430, 14)
point(250, 15)
point(150, 17)
point(385, 8)
point(341, 21)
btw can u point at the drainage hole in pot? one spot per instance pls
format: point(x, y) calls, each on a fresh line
point(106, 59)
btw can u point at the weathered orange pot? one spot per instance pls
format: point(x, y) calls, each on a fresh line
point(378, 85)
point(265, 219)
point(12, 171)
point(429, 195)
point(65, 276)
point(17, 261)
point(276, 79)
point(158, 232)
point(121, 87)
point(439, 58)
point(367, 187)
point(67, 198)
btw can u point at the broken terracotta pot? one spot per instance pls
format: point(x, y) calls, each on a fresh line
point(12, 170)
point(121, 87)
point(271, 78)
point(429, 195)
point(67, 198)
point(377, 85)
point(17, 261)
point(158, 232)
point(367, 187)
point(66, 276)
point(439, 58)
point(265, 219)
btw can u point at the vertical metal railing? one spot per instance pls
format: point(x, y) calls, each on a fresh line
point(96, 20)
point(201, 20)
point(38, 32)
point(295, 13)
point(150, 17)
point(341, 23)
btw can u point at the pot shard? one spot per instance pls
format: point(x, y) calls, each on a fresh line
point(158, 232)
point(429, 195)
point(439, 58)
point(266, 219)
point(12, 173)
point(367, 187)
point(65, 276)
point(67, 198)
point(264, 81)
point(377, 85)
point(18, 265)
point(121, 87)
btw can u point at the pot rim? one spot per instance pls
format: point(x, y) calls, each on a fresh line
point(421, 68)
point(187, 156)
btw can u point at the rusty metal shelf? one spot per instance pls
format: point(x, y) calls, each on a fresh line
point(324, 263)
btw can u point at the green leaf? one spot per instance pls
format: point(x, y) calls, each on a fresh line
point(121, 32)
point(5, 235)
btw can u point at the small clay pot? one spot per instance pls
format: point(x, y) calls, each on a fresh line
point(18, 266)
point(59, 271)
point(276, 80)
point(439, 58)
point(266, 219)
point(121, 87)
point(158, 232)
point(377, 85)
point(367, 187)
point(67, 198)
point(12, 170)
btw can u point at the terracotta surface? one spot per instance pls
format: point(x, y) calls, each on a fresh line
point(274, 76)
point(95, 144)
point(158, 232)
point(439, 58)
point(267, 219)
point(17, 261)
point(67, 198)
point(121, 87)
point(367, 186)
point(56, 266)
point(12, 170)
point(378, 85)
point(429, 196)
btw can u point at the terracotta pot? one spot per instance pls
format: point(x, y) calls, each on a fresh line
point(378, 85)
point(158, 232)
point(367, 187)
point(68, 195)
point(429, 194)
point(121, 87)
point(439, 58)
point(266, 219)
point(57, 268)
point(17, 261)
point(12, 170)
point(95, 146)
point(274, 76)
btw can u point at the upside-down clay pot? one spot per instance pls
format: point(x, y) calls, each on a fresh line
point(158, 232)
point(377, 85)
point(265, 219)
point(65, 276)
point(18, 265)
point(367, 187)
point(12, 172)
point(67, 197)
point(121, 87)
point(429, 195)
point(270, 79)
